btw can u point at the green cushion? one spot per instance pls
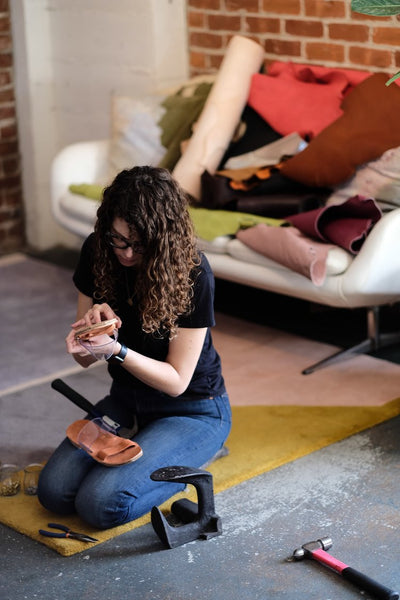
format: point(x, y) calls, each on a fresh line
point(89, 190)
point(208, 224)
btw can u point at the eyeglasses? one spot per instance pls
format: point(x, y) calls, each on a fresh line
point(118, 241)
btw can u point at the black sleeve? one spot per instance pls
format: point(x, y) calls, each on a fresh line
point(202, 314)
point(83, 276)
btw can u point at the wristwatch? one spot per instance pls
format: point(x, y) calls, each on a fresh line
point(120, 357)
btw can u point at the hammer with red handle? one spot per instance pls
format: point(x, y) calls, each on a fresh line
point(317, 551)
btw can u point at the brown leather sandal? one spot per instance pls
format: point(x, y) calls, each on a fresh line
point(88, 331)
point(104, 447)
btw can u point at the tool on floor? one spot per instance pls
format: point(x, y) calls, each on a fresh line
point(197, 521)
point(110, 425)
point(67, 533)
point(317, 551)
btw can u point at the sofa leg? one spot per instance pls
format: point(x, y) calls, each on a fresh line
point(374, 341)
point(365, 346)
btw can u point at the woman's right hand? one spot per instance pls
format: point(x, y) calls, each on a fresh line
point(96, 314)
point(87, 314)
point(80, 354)
point(73, 345)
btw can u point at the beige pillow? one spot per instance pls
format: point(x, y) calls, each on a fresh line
point(135, 133)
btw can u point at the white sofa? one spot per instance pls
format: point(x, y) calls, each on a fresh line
point(371, 280)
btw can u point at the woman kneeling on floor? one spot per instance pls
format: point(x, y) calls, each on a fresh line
point(141, 266)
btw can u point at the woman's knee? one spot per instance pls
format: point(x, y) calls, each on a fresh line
point(52, 496)
point(103, 510)
point(61, 477)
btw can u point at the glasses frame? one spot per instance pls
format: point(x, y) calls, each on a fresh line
point(137, 247)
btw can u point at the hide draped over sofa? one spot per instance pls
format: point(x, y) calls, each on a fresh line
point(293, 176)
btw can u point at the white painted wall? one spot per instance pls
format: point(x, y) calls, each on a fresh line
point(70, 56)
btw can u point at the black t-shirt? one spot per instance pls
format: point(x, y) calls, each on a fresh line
point(207, 379)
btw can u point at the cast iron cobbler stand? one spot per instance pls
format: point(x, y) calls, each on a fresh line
point(196, 521)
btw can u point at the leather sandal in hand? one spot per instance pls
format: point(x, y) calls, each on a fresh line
point(88, 331)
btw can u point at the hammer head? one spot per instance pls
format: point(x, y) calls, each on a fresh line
point(306, 550)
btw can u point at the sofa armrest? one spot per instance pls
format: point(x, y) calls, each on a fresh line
point(377, 267)
point(83, 162)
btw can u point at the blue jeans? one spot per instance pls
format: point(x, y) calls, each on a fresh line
point(172, 431)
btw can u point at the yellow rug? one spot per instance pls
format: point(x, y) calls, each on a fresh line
point(262, 438)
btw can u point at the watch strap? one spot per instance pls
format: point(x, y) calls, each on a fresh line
point(120, 357)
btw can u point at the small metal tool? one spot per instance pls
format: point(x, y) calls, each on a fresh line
point(67, 533)
point(110, 425)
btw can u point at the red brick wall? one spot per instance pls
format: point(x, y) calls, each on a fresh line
point(304, 31)
point(12, 230)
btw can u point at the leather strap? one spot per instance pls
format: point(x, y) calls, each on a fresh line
point(120, 357)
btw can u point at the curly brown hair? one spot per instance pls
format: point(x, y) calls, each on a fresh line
point(154, 206)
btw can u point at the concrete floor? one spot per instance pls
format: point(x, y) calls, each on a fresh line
point(349, 491)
